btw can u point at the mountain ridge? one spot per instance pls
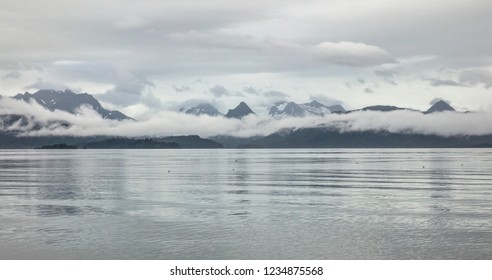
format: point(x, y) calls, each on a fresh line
point(69, 101)
point(328, 137)
point(201, 109)
point(440, 106)
point(240, 111)
point(293, 109)
point(12, 126)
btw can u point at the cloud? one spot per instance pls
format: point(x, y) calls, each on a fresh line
point(475, 77)
point(84, 119)
point(270, 97)
point(196, 101)
point(352, 54)
point(86, 122)
point(130, 89)
point(216, 39)
point(251, 90)
point(168, 41)
point(12, 75)
point(368, 90)
point(222, 51)
point(129, 23)
point(269, 93)
point(125, 99)
point(444, 124)
point(437, 99)
point(14, 70)
point(182, 88)
point(42, 84)
point(220, 91)
point(440, 83)
point(467, 78)
point(17, 65)
point(120, 87)
point(338, 53)
point(265, 97)
point(387, 75)
point(326, 100)
point(274, 93)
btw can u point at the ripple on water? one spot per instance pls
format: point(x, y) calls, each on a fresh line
point(254, 204)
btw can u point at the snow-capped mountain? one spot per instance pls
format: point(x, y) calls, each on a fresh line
point(286, 109)
point(69, 101)
point(299, 110)
point(202, 109)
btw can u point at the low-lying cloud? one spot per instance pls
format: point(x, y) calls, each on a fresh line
point(467, 78)
point(474, 77)
point(353, 54)
point(87, 122)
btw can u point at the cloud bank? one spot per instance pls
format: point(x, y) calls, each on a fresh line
point(86, 122)
point(353, 54)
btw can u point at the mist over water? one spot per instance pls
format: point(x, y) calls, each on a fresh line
point(87, 122)
point(246, 204)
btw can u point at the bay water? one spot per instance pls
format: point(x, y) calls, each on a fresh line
point(246, 204)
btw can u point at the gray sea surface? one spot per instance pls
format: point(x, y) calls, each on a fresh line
point(246, 204)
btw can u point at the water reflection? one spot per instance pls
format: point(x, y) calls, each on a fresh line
point(58, 210)
point(243, 204)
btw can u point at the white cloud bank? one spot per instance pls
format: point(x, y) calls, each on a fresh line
point(352, 54)
point(86, 122)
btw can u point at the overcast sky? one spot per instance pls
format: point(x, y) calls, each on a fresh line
point(153, 55)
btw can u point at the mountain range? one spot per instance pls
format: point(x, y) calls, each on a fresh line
point(69, 101)
point(279, 109)
point(328, 137)
point(439, 106)
point(312, 137)
point(239, 112)
point(292, 109)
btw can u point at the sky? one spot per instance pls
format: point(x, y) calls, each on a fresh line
point(147, 57)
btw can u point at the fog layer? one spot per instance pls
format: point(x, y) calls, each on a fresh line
point(86, 122)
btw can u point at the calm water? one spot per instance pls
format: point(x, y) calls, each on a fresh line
point(246, 204)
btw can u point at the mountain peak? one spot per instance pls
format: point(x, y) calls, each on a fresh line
point(299, 110)
point(440, 106)
point(336, 109)
point(201, 109)
point(242, 104)
point(315, 108)
point(240, 111)
point(69, 101)
point(316, 104)
point(293, 109)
